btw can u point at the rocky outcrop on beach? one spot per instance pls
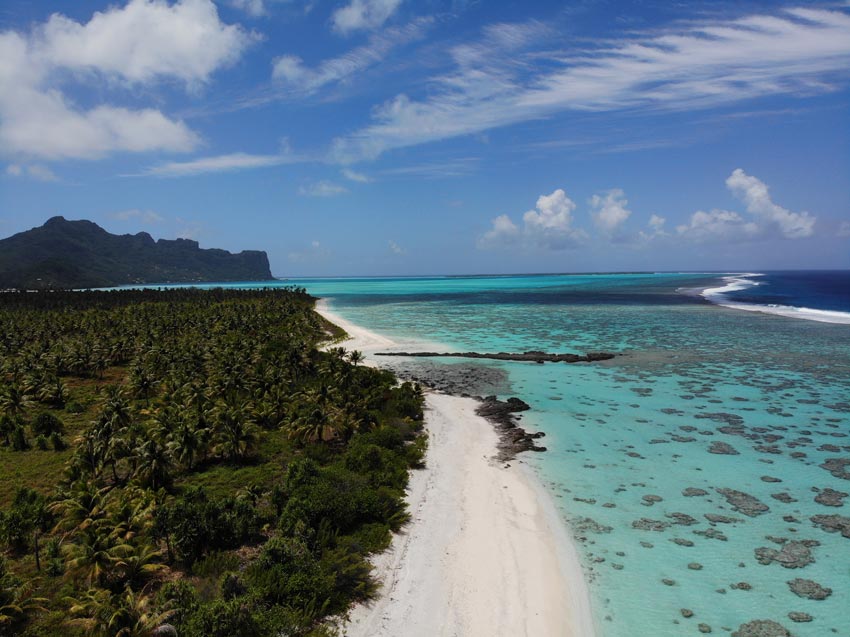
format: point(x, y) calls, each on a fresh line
point(528, 357)
point(512, 438)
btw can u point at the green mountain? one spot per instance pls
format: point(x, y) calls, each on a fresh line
point(77, 254)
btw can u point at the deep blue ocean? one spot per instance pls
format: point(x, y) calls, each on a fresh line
point(820, 290)
point(705, 468)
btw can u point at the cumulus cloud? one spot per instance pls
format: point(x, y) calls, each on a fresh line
point(142, 42)
point(718, 225)
point(360, 15)
point(33, 171)
point(322, 189)
point(766, 218)
point(609, 211)
point(754, 193)
point(656, 223)
point(548, 226)
point(720, 61)
point(395, 248)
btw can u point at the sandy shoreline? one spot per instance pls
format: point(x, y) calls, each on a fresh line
point(486, 552)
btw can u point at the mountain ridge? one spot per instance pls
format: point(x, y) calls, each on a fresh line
point(81, 254)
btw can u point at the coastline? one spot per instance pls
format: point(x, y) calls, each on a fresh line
point(486, 552)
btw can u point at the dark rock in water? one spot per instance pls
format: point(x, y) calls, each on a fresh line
point(723, 449)
point(681, 541)
point(695, 566)
point(650, 499)
point(809, 589)
point(729, 419)
point(833, 524)
point(762, 628)
point(798, 617)
point(686, 612)
point(668, 582)
point(741, 586)
point(704, 628)
point(837, 467)
point(583, 525)
point(512, 439)
point(716, 518)
point(712, 534)
point(682, 518)
point(744, 502)
point(770, 479)
point(646, 524)
point(831, 497)
point(692, 492)
point(792, 555)
point(784, 496)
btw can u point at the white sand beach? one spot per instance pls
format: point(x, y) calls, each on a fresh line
point(485, 553)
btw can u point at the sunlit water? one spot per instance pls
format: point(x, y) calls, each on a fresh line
point(777, 390)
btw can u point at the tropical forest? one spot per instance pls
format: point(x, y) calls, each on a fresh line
point(191, 462)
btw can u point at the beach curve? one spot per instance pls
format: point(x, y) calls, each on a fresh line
point(486, 553)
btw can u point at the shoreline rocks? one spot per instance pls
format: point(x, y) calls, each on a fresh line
point(512, 438)
point(533, 356)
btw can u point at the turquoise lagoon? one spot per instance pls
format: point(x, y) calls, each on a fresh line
point(692, 374)
point(625, 438)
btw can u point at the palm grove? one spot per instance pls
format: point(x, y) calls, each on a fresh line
point(191, 462)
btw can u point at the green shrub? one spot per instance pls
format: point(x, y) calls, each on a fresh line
point(46, 424)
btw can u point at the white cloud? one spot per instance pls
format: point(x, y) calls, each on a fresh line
point(254, 8)
point(142, 42)
point(844, 229)
point(796, 51)
point(767, 219)
point(395, 248)
point(754, 193)
point(322, 189)
point(145, 40)
point(609, 211)
point(360, 15)
point(33, 171)
point(718, 225)
point(217, 164)
point(656, 222)
point(548, 226)
point(145, 216)
point(291, 72)
point(356, 176)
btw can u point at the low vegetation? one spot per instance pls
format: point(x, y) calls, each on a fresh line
point(191, 462)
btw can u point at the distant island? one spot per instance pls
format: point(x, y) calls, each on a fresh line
point(81, 254)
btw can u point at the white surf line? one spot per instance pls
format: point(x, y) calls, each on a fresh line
point(743, 281)
point(486, 552)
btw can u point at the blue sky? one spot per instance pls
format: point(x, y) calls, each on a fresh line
point(369, 137)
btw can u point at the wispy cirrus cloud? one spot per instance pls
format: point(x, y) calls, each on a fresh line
point(322, 188)
point(292, 74)
point(216, 164)
point(506, 78)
